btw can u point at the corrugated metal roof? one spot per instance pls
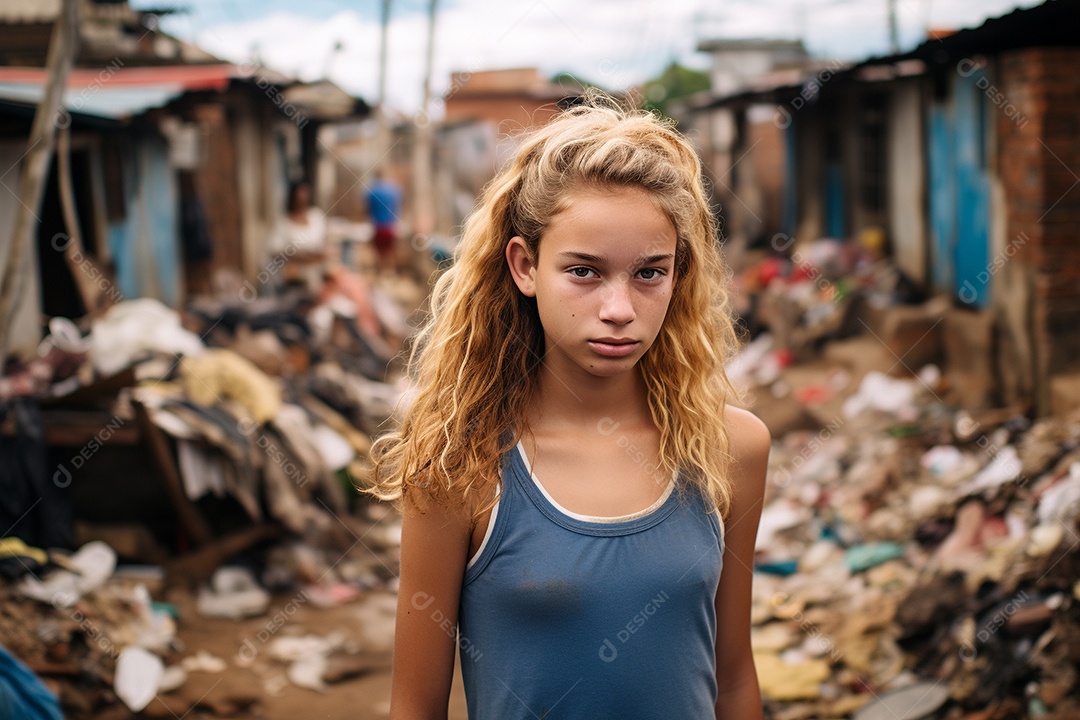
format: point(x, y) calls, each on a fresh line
point(113, 103)
point(115, 92)
point(1053, 23)
point(28, 11)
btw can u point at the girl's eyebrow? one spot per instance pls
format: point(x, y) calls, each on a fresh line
point(586, 257)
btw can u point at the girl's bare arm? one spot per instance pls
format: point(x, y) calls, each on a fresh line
point(434, 550)
point(739, 697)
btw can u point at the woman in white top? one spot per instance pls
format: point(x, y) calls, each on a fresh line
point(300, 238)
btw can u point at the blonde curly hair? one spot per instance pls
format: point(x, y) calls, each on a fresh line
point(476, 360)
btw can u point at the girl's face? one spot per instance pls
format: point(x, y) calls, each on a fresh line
point(603, 279)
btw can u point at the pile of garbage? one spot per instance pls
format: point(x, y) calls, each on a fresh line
point(91, 631)
point(807, 293)
point(270, 402)
point(916, 560)
point(256, 416)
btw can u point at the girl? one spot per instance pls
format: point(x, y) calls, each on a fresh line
point(571, 476)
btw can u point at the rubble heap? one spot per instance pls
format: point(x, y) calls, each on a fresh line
point(920, 561)
point(256, 414)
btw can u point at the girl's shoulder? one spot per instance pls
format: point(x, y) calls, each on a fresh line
point(748, 437)
point(749, 441)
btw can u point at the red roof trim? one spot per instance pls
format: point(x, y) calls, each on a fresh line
point(188, 77)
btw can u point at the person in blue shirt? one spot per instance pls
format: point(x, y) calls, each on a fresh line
point(384, 204)
point(580, 497)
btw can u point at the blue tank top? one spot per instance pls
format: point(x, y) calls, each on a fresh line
point(564, 616)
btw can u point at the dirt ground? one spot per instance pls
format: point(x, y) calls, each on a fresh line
point(363, 698)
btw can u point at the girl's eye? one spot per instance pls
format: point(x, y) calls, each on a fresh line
point(581, 272)
point(654, 273)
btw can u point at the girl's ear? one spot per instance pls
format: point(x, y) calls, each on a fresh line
point(522, 265)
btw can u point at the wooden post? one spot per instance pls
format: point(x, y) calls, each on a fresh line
point(93, 296)
point(49, 115)
point(382, 128)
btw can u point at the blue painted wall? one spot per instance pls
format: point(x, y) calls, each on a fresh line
point(144, 245)
point(959, 201)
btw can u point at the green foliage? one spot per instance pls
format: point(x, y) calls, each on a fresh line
point(676, 81)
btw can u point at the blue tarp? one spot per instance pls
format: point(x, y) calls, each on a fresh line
point(22, 695)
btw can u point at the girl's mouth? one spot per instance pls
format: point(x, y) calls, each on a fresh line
point(614, 349)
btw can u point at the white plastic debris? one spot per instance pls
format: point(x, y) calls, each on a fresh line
point(307, 672)
point(306, 656)
point(234, 594)
point(1003, 468)
point(942, 459)
point(777, 517)
point(752, 363)
point(156, 629)
point(172, 678)
point(1061, 501)
point(64, 334)
point(203, 661)
point(928, 500)
point(930, 375)
point(138, 677)
point(133, 328)
point(878, 391)
point(335, 450)
point(1044, 539)
point(94, 562)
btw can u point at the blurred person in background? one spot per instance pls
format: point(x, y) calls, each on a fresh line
point(384, 203)
point(299, 240)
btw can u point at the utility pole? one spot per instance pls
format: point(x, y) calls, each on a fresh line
point(894, 31)
point(382, 129)
point(47, 117)
point(423, 147)
point(328, 66)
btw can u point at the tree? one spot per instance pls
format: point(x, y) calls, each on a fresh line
point(676, 81)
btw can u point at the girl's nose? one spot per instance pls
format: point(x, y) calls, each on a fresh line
point(617, 305)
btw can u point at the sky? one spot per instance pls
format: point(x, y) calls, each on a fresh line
point(616, 44)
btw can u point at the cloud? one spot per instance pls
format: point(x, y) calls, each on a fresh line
point(615, 43)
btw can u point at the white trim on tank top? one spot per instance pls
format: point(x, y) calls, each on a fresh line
point(596, 518)
point(487, 533)
point(569, 513)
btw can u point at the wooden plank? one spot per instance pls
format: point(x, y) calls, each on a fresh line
point(197, 567)
point(103, 388)
point(188, 514)
point(76, 429)
point(73, 428)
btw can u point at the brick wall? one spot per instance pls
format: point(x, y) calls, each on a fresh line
point(1039, 168)
point(509, 112)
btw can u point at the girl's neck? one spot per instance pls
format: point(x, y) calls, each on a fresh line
point(598, 404)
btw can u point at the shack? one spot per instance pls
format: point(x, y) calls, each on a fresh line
point(960, 154)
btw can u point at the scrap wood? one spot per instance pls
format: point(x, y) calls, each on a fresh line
point(337, 422)
point(197, 567)
point(189, 515)
point(101, 388)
